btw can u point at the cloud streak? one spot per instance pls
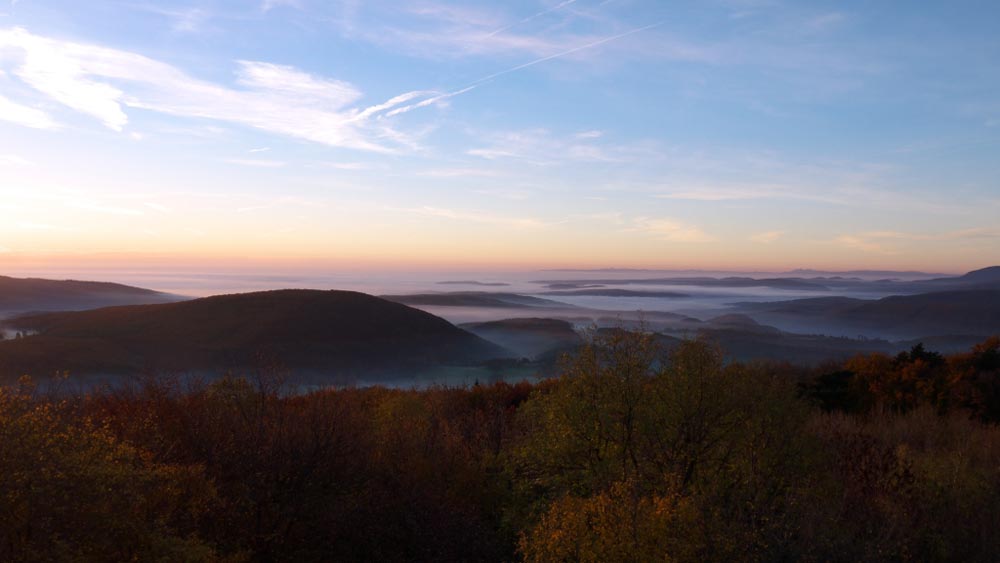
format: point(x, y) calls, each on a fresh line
point(103, 83)
point(767, 237)
point(475, 217)
point(532, 17)
point(672, 230)
point(888, 242)
point(24, 115)
point(568, 52)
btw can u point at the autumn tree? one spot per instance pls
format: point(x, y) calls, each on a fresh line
point(69, 490)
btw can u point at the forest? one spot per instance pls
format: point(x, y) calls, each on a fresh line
point(630, 454)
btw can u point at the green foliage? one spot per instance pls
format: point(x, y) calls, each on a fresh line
point(69, 490)
point(716, 435)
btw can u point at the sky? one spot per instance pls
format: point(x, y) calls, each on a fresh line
point(744, 135)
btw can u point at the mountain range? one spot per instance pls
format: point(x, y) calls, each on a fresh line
point(329, 334)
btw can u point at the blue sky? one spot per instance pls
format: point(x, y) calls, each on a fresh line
point(741, 134)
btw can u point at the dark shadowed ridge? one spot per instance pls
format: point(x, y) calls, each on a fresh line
point(939, 313)
point(298, 329)
point(984, 275)
point(529, 337)
point(18, 295)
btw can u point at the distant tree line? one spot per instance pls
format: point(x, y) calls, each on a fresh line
point(629, 455)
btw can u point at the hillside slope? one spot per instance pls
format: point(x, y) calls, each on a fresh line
point(529, 337)
point(310, 330)
point(18, 295)
point(968, 312)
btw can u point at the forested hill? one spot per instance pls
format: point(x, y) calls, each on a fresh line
point(298, 329)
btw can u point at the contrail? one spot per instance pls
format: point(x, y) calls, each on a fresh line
point(428, 101)
point(476, 83)
point(568, 52)
point(558, 6)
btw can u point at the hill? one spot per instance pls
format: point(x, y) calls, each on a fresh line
point(529, 337)
point(20, 295)
point(990, 275)
point(304, 330)
point(939, 313)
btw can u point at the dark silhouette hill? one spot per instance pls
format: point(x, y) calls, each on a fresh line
point(318, 331)
point(990, 275)
point(529, 337)
point(963, 312)
point(867, 274)
point(738, 322)
point(19, 295)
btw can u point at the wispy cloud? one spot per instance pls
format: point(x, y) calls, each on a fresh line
point(257, 163)
point(475, 217)
point(540, 146)
point(532, 17)
point(103, 82)
point(25, 115)
point(570, 51)
point(458, 173)
point(268, 5)
point(723, 193)
point(671, 230)
point(767, 237)
point(961, 234)
point(863, 243)
point(345, 165)
point(157, 207)
point(437, 29)
point(890, 242)
point(14, 160)
point(183, 20)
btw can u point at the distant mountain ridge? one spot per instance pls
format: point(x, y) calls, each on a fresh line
point(476, 299)
point(864, 273)
point(938, 313)
point(701, 281)
point(18, 295)
point(529, 337)
point(989, 275)
point(329, 331)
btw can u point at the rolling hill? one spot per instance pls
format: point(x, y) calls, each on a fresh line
point(21, 295)
point(303, 330)
point(529, 337)
point(939, 313)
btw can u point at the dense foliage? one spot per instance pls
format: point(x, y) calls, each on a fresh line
point(629, 455)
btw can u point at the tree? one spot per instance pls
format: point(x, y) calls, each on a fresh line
point(70, 491)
